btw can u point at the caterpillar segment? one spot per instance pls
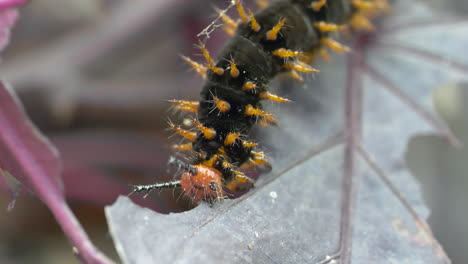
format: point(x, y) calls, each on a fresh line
point(284, 37)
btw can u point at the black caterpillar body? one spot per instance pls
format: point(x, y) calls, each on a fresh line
point(253, 56)
point(230, 99)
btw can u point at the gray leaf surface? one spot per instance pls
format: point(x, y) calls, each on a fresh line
point(340, 189)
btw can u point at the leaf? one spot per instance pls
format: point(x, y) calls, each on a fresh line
point(8, 16)
point(21, 143)
point(340, 189)
point(29, 157)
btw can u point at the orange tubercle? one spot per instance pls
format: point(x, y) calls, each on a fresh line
point(222, 106)
point(317, 5)
point(273, 33)
point(240, 10)
point(248, 86)
point(253, 22)
point(209, 133)
point(234, 71)
point(327, 27)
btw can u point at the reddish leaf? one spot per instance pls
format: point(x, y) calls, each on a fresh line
point(8, 16)
point(29, 157)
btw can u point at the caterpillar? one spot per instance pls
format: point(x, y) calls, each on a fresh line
point(284, 37)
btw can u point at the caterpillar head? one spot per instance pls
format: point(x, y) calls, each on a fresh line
point(202, 183)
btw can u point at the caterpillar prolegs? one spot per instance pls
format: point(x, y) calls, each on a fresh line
point(283, 37)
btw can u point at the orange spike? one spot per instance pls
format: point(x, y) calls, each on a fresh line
point(251, 111)
point(223, 106)
point(334, 45)
point(295, 75)
point(234, 71)
point(285, 53)
point(307, 57)
point(227, 165)
point(264, 123)
point(230, 26)
point(230, 32)
point(190, 135)
point(256, 155)
point(299, 66)
point(327, 27)
point(257, 159)
point(317, 5)
point(209, 133)
point(247, 144)
point(360, 22)
point(200, 69)
point(242, 177)
point(324, 54)
point(239, 180)
point(248, 86)
point(273, 97)
point(221, 151)
point(182, 147)
point(209, 60)
point(187, 106)
point(262, 3)
point(253, 22)
point(240, 10)
point(363, 4)
point(231, 137)
point(228, 21)
point(272, 34)
point(211, 161)
point(383, 6)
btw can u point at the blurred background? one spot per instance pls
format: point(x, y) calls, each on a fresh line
point(94, 74)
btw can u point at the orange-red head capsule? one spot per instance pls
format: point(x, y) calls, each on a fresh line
point(202, 184)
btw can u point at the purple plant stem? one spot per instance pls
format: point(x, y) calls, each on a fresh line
point(34, 161)
point(11, 3)
point(83, 247)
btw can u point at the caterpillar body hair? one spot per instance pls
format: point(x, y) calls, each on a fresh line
point(282, 38)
